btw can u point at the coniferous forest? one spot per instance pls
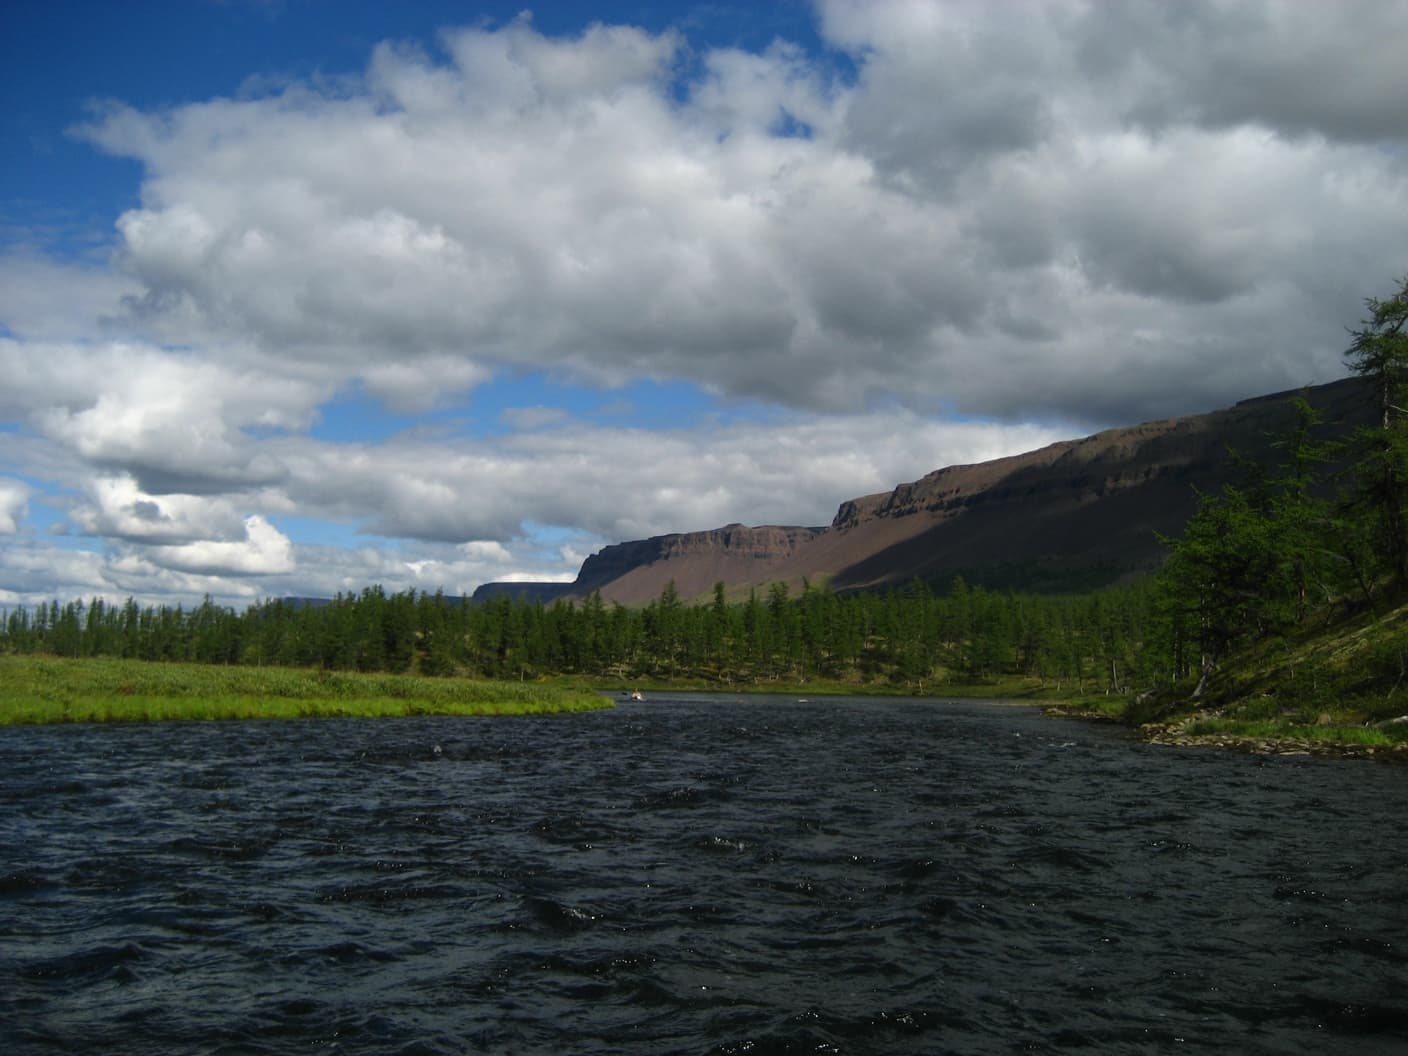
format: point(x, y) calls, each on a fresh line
point(909, 637)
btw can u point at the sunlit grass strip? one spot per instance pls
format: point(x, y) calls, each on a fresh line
point(44, 690)
point(1357, 736)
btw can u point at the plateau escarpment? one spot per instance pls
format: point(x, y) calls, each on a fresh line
point(630, 572)
point(1072, 514)
point(695, 561)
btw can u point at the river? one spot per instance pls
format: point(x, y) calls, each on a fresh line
point(694, 874)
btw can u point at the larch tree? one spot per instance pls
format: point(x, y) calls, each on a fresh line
point(1379, 352)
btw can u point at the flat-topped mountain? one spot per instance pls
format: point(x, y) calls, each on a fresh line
point(735, 554)
point(1077, 513)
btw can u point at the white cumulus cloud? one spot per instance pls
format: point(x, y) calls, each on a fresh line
point(263, 550)
point(14, 501)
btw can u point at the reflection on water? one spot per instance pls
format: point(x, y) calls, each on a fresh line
point(693, 875)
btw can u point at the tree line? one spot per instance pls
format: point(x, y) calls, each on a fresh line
point(912, 636)
point(1323, 530)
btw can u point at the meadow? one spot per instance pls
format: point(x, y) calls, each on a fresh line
point(48, 689)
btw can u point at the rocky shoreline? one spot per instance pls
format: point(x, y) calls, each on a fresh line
point(1172, 734)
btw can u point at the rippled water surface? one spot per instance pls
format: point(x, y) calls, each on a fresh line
point(694, 875)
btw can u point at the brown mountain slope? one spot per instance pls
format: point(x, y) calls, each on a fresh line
point(1075, 513)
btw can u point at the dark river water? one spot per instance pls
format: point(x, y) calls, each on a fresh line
point(694, 875)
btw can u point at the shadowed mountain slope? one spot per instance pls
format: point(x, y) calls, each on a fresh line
point(1071, 515)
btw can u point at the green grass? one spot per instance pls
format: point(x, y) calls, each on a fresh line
point(46, 690)
point(1272, 729)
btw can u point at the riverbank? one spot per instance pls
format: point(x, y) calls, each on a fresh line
point(1328, 688)
point(1202, 730)
point(1018, 689)
point(1212, 729)
point(36, 690)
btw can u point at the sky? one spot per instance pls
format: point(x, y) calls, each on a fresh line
point(301, 296)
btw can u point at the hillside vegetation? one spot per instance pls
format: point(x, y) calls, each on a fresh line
point(1338, 687)
point(1286, 593)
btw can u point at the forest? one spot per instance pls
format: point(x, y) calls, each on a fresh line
point(911, 637)
point(1318, 534)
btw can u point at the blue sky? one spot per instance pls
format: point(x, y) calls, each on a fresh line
point(298, 296)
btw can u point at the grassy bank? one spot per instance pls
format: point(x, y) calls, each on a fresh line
point(1337, 686)
point(45, 690)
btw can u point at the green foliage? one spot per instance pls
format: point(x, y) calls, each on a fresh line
point(1379, 353)
point(1355, 736)
point(1268, 572)
point(1255, 559)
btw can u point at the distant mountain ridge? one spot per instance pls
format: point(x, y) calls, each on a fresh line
point(1072, 514)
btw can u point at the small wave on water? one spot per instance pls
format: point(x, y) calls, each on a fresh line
point(703, 875)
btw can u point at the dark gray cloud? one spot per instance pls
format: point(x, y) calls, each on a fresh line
point(1333, 70)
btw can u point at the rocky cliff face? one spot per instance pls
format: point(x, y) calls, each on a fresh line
point(736, 542)
point(1075, 513)
point(1072, 470)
